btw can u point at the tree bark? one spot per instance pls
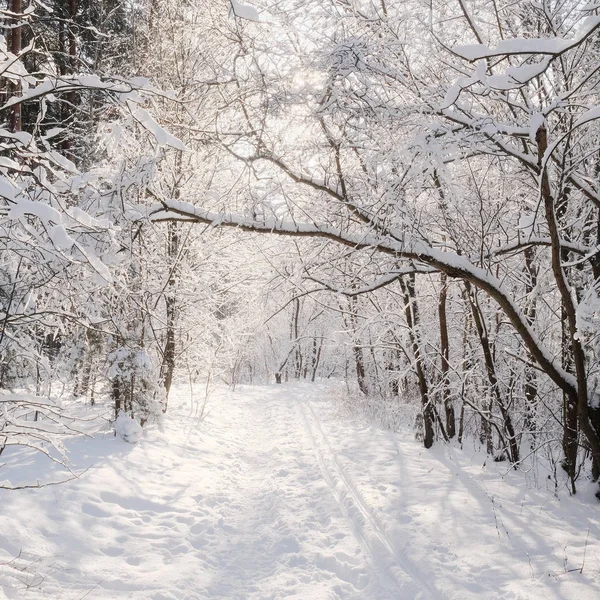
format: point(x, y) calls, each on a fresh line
point(316, 359)
point(530, 388)
point(357, 351)
point(579, 396)
point(513, 446)
point(412, 320)
point(168, 364)
point(445, 351)
point(16, 45)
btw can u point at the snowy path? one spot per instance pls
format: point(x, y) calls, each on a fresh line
point(270, 497)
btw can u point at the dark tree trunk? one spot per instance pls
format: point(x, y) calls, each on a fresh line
point(169, 352)
point(357, 351)
point(579, 398)
point(116, 395)
point(411, 313)
point(16, 43)
point(530, 312)
point(445, 367)
point(70, 67)
point(316, 359)
point(295, 338)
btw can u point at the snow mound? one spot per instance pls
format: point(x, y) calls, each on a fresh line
point(127, 428)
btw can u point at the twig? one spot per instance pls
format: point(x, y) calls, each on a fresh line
point(92, 589)
point(587, 537)
point(43, 485)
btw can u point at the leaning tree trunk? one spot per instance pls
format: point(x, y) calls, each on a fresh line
point(116, 385)
point(478, 320)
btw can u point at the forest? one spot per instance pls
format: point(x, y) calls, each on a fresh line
point(399, 199)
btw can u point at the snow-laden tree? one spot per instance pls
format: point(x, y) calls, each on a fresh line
point(469, 151)
point(58, 243)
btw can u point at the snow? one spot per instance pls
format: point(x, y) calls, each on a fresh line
point(537, 120)
point(515, 77)
point(7, 189)
point(84, 218)
point(275, 495)
point(92, 81)
point(6, 162)
point(526, 225)
point(163, 137)
point(590, 115)
point(244, 11)
point(128, 428)
point(44, 212)
point(552, 46)
point(45, 86)
point(101, 269)
point(20, 136)
point(452, 95)
point(513, 46)
point(60, 238)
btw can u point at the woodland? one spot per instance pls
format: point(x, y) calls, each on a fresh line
point(404, 196)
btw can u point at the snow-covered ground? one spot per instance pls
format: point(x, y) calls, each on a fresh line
point(274, 496)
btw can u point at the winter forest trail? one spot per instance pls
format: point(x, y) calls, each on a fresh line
point(274, 495)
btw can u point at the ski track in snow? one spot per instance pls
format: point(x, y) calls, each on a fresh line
point(366, 525)
point(273, 496)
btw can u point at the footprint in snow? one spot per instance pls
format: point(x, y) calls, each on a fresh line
point(94, 510)
point(112, 551)
point(287, 546)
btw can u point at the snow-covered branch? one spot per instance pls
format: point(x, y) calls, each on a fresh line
point(449, 263)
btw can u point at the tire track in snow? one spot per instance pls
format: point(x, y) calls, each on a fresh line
point(365, 523)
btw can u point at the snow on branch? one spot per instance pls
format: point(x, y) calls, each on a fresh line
point(244, 11)
point(592, 114)
point(527, 242)
point(451, 264)
point(48, 86)
point(378, 284)
point(37, 423)
point(515, 46)
point(307, 180)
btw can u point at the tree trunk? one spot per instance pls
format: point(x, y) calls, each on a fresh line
point(496, 394)
point(530, 387)
point(295, 335)
point(466, 368)
point(357, 351)
point(16, 43)
point(116, 395)
point(445, 351)
point(412, 320)
point(316, 358)
point(168, 364)
point(579, 398)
